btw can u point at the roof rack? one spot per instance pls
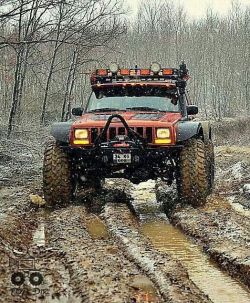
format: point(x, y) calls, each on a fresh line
point(155, 73)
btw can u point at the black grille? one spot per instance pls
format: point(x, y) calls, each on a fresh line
point(93, 134)
point(146, 132)
point(149, 134)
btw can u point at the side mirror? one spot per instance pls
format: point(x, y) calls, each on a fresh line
point(77, 111)
point(192, 109)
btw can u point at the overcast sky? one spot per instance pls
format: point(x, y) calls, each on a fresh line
point(196, 8)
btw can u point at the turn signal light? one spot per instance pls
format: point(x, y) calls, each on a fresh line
point(162, 141)
point(81, 142)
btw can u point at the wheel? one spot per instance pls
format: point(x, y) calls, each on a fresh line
point(36, 278)
point(210, 164)
point(17, 278)
point(192, 178)
point(58, 184)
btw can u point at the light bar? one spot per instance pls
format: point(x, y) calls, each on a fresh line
point(156, 73)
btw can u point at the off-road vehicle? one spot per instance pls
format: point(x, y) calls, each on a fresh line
point(138, 124)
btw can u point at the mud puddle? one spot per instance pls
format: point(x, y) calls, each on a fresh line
point(144, 290)
point(96, 228)
point(218, 285)
point(39, 235)
point(238, 207)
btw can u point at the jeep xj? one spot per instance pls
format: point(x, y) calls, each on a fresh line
point(138, 124)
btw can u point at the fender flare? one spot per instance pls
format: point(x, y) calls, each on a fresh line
point(206, 131)
point(188, 129)
point(61, 131)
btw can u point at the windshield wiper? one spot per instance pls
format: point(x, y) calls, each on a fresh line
point(105, 109)
point(146, 108)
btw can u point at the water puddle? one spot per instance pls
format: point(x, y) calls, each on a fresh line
point(144, 290)
point(39, 235)
point(96, 228)
point(238, 207)
point(218, 285)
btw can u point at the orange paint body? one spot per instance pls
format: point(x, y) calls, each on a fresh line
point(88, 121)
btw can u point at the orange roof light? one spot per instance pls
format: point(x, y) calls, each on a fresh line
point(124, 72)
point(102, 72)
point(167, 71)
point(145, 72)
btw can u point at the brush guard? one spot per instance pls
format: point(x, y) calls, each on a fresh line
point(122, 150)
point(131, 140)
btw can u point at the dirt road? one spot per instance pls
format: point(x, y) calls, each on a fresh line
point(127, 243)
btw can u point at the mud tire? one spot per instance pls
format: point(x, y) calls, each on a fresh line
point(192, 177)
point(58, 185)
point(210, 164)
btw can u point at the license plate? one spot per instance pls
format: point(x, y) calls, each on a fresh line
point(122, 158)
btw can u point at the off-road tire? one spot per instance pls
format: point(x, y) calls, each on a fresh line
point(210, 164)
point(58, 185)
point(192, 179)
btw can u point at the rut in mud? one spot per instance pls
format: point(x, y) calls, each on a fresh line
point(218, 285)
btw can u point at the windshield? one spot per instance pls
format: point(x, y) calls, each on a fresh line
point(144, 103)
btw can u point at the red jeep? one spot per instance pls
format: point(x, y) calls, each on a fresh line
point(138, 124)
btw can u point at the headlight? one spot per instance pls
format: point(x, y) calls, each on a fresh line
point(163, 133)
point(155, 67)
point(81, 133)
point(113, 67)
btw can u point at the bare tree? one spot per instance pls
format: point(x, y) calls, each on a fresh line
point(88, 26)
point(28, 17)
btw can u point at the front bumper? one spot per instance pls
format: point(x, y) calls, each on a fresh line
point(105, 156)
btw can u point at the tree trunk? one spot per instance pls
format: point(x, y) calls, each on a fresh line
point(67, 89)
point(68, 115)
point(51, 69)
point(15, 93)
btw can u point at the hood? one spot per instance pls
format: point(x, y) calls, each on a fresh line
point(130, 117)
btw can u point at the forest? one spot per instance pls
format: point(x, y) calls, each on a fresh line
point(49, 47)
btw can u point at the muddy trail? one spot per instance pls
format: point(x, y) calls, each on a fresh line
point(77, 253)
point(127, 243)
point(117, 246)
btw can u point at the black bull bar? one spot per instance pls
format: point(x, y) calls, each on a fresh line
point(133, 139)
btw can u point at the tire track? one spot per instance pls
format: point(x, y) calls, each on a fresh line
point(167, 238)
point(99, 271)
point(223, 233)
point(168, 275)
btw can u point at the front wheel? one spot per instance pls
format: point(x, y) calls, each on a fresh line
point(58, 184)
point(192, 177)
